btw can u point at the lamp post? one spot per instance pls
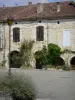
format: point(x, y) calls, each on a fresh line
point(4, 43)
point(9, 21)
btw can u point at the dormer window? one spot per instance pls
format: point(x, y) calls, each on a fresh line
point(40, 33)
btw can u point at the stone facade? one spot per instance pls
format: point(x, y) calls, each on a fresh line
point(53, 33)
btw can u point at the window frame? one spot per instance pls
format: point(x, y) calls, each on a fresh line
point(40, 33)
point(16, 37)
point(66, 43)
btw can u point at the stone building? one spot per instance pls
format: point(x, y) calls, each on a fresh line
point(44, 23)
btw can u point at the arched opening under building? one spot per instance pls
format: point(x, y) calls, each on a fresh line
point(72, 62)
point(38, 64)
point(15, 59)
point(60, 61)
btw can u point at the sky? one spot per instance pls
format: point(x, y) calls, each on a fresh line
point(23, 2)
point(19, 2)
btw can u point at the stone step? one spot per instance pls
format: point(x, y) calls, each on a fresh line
point(2, 98)
point(43, 99)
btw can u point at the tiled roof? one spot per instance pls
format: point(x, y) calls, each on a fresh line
point(29, 12)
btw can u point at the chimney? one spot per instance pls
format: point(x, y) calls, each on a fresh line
point(3, 5)
point(58, 6)
point(39, 7)
point(30, 3)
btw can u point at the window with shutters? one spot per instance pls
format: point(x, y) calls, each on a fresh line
point(16, 34)
point(40, 33)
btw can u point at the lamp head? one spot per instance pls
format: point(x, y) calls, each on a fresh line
point(9, 20)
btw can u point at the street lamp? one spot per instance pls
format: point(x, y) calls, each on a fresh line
point(9, 21)
point(4, 42)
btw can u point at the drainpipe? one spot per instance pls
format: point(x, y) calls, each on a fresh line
point(47, 33)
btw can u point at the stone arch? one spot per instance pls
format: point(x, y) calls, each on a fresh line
point(72, 61)
point(15, 59)
point(60, 61)
point(70, 58)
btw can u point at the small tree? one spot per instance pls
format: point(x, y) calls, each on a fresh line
point(53, 52)
point(38, 56)
point(48, 56)
point(26, 52)
point(44, 56)
point(41, 56)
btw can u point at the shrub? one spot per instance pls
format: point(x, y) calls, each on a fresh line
point(38, 56)
point(73, 67)
point(44, 56)
point(53, 53)
point(66, 68)
point(50, 66)
point(48, 56)
point(19, 87)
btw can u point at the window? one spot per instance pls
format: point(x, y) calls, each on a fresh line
point(1, 40)
point(40, 33)
point(66, 38)
point(16, 34)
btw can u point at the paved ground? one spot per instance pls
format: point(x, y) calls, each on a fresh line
point(52, 85)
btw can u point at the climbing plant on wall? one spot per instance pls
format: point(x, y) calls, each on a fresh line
point(26, 52)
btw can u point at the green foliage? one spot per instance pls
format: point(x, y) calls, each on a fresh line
point(73, 67)
point(25, 52)
point(48, 56)
point(19, 87)
point(53, 53)
point(44, 56)
point(41, 56)
point(67, 51)
point(2, 63)
point(38, 56)
point(66, 68)
point(50, 66)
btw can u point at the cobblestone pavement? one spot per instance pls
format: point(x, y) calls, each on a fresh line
point(51, 85)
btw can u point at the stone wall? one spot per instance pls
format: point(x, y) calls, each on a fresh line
point(53, 33)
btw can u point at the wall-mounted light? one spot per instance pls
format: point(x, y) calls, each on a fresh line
point(58, 22)
point(15, 22)
point(39, 21)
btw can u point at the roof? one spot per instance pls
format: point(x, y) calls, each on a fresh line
point(29, 12)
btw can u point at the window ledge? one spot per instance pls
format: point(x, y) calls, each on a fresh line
point(40, 42)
